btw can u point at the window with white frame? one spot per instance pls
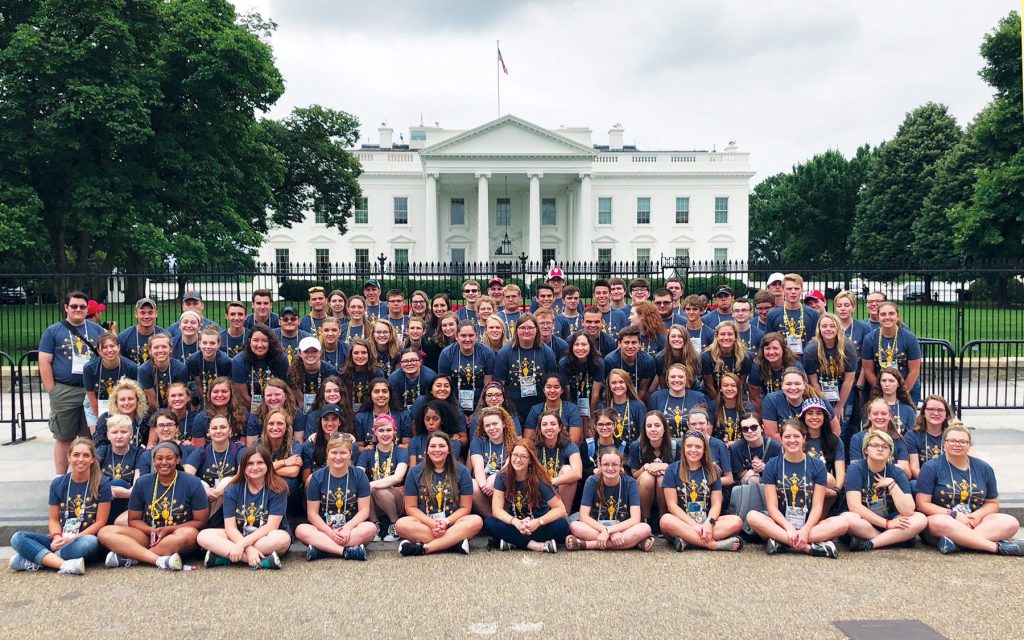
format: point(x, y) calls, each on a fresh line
point(323, 261)
point(604, 210)
point(683, 210)
point(721, 210)
point(362, 214)
point(721, 254)
point(604, 256)
point(457, 211)
point(503, 212)
point(643, 210)
point(282, 260)
point(401, 210)
point(643, 254)
point(547, 212)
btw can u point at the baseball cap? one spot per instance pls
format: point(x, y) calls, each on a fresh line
point(309, 342)
point(723, 290)
point(813, 403)
point(192, 294)
point(289, 309)
point(815, 295)
point(556, 273)
point(95, 307)
point(145, 302)
point(776, 277)
point(328, 409)
point(495, 280)
point(372, 282)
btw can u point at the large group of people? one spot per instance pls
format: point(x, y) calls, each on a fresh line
point(593, 426)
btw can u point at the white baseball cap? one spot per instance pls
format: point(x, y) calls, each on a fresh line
point(776, 277)
point(309, 342)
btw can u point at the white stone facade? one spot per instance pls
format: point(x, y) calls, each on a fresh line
point(554, 188)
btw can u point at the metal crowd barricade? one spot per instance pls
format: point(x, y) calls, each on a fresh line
point(939, 371)
point(991, 375)
point(8, 404)
point(30, 393)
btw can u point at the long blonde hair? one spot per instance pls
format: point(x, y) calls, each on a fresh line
point(95, 473)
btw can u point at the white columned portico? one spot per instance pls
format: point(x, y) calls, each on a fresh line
point(584, 221)
point(430, 237)
point(534, 244)
point(483, 233)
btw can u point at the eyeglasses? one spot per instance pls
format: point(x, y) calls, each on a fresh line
point(470, 291)
point(879, 446)
point(663, 303)
point(78, 307)
point(493, 396)
point(606, 424)
point(412, 361)
point(749, 429)
point(289, 319)
point(520, 456)
point(935, 409)
point(959, 443)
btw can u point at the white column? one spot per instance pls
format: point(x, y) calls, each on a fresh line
point(430, 254)
point(534, 242)
point(584, 221)
point(483, 234)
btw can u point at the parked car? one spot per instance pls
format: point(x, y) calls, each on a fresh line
point(915, 291)
point(13, 295)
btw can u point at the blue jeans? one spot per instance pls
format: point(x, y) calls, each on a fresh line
point(35, 546)
point(118, 505)
point(556, 530)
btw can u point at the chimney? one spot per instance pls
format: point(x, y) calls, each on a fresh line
point(385, 136)
point(615, 137)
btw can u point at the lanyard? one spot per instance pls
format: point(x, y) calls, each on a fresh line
point(79, 511)
point(785, 498)
point(555, 458)
point(263, 508)
point(472, 369)
point(219, 464)
point(890, 352)
point(764, 452)
point(339, 503)
point(170, 489)
point(376, 462)
point(791, 326)
point(519, 357)
point(108, 387)
point(970, 483)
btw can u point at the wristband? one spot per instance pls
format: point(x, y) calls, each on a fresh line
point(951, 513)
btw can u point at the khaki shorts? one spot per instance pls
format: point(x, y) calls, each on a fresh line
point(67, 415)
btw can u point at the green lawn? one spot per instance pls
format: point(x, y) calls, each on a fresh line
point(21, 325)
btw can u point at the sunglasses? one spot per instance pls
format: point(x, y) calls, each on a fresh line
point(470, 291)
point(749, 429)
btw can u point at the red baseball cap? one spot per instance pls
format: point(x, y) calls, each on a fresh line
point(95, 307)
point(555, 272)
point(815, 295)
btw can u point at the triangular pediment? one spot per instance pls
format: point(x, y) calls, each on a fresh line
point(506, 137)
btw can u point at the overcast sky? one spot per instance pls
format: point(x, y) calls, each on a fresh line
point(783, 79)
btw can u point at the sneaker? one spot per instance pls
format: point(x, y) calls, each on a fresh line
point(1010, 547)
point(19, 563)
point(211, 560)
point(504, 546)
point(860, 544)
point(773, 546)
point(273, 561)
point(550, 547)
point(410, 548)
point(354, 553)
point(74, 567)
point(312, 553)
point(113, 560)
point(945, 545)
point(377, 538)
point(169, 563)
point(572, 543)
point(463, 547)
point(825, 549)
point(391, 535)
point(678, 544)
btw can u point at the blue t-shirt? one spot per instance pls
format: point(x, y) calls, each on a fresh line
point(715, 317)
point(613, 321)
point(796, 322)
point(895, 352)
point(438, 498)
point(794, 481)
point(63, 343)
point(857, 453)
point(364, 425)
point(693, 495)
point(256, 373)
point(721, 454)
point(558, 346)
point(465, 313)
point(554, 458)
point(146, 458)
point(118, 466)
point(140, 431)
point(580, 383)
point(181, 351)
point(290, 345)
point(775, 406)
point(134, 345)
point(163, 505)
point(410, 389)
point(630, 420)
point(273, 323)
point(311, 325)
point(710, 368)
point(833, 373)
point(727, 425)
point(768, 383)
point(705, 334)
point(475, 419)
point(509, 318)
point(860, 478)
point(198, 366)
point(651, 346)
point(743, 454)
point(643, 368)
point(75, 500)
point(381, 464)
point(232, 346)
point(676, 409)
point(337, 357)
point(815, 448)
point(903, 416)
point(922, 444)
point(149, 378)
point(338, 495)
point(636, 459)
point(569, 412)
point(254, 509)
point(513, 365)
point(751, 338)
point(418, 447)
point(350, 330)
point(211, 467)
point(200, 426)
point(616, 502)
point(953, 488)
point(856, 333)
point(101, 380)
point(516, 503)
point(468, 371)
point(174, 330)
point(494, 455)
point(570, 325)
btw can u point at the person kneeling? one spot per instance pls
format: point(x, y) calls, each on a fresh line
point(166, 510)
point(528, 514)
point(255, 525)
point(881, 507)
point(614, 497)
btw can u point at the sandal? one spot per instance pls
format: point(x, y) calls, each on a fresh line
point(734, 543)
point(646, 544)
point(572, 543)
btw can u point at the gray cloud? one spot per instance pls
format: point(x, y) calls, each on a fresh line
point(398, 18)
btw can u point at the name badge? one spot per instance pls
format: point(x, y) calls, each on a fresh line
point(795, 344)
point(440, 516)
point(336, 520)
point(78, 362)
point(466, 399)
point(584, 405)
point(255, 402)
point(831, 391)
point(697, 344)
point(72, 526)
point(608, 523)
point(878, 507)
point(528, 386)
point(307, 401)
point(962, 508)
point(797, 516)
point(696, 511)
point(103, 406)
point(248, 530)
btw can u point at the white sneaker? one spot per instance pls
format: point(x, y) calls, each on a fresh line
point(74, 567)
point(377, 537)
point(113, 560)
point(391, 535)
point(20, 563)
point(169, 563)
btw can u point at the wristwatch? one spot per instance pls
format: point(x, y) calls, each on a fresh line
point(712, 521)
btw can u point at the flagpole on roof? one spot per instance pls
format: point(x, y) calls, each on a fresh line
point(497, 72)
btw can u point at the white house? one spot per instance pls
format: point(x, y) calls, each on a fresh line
point(454, 195)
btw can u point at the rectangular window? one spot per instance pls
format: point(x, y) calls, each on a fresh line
point(457, 211)
point(401, 210)
point(604, 256)
point(320, 216)
point(604, 210)
point(401, 261)
point(721, 211)
point(362, 211)
point(458, 255)
point(643, 211)
point(503, 213)
point(547, 212)
point(282, 260)
point(362, 258)
point(721, 255)
point(682, 211)
point(323, 261)
point(643, 255)
point(682, 254)
point(547, 256)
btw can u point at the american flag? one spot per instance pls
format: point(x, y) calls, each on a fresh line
point(501, 61)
